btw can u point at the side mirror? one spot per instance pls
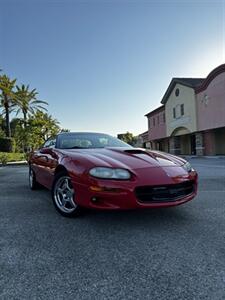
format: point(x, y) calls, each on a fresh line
point(46, 150)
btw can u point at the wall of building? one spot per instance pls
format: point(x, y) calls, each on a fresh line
point(188, 120)
point(219, 141)
point(209, 142)
point(157, 131)
point(211, 104)
point(214, 141)
point(143, 140)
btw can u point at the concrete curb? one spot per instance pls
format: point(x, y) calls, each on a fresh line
point(15, 163)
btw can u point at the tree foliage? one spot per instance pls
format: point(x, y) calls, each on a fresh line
point(26, 101)
point(128, 138)
point(38, 129)
point(33, 125)
point(7, 99)
point(2, 127)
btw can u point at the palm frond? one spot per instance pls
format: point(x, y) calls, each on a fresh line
point(39, 101)
point(41, 107)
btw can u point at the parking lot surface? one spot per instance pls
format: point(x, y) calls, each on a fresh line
point(174, 253)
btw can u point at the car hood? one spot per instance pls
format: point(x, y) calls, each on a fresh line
point(128, 158)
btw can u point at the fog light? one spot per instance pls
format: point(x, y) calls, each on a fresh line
point(94, 199)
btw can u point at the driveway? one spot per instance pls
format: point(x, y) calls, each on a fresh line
point(175, 253)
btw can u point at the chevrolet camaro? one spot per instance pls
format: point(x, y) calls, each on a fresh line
point(94, 170)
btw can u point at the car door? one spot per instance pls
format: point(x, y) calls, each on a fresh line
point(46, 160)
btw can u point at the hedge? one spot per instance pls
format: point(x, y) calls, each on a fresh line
point(11, 157)
point(7, 144)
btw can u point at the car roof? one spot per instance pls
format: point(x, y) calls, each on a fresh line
point(81, 133)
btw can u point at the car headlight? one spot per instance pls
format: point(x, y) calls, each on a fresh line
point(110, 173)
point(187, 166)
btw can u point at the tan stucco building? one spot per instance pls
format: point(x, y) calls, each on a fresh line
point(194, 116)
point(181, 114)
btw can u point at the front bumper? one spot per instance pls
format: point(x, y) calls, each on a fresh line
point(113, 195)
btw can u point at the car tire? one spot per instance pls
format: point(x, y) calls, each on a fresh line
point(34, 185)
point(63, 195)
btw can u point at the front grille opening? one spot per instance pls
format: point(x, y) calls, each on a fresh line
point(164, 193)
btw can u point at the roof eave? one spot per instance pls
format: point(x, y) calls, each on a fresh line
point(171, 86)
point(155, 110)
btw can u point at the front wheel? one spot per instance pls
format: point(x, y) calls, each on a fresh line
point(32, 180)
point(63, 196)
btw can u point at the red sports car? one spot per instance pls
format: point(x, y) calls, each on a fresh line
point(95, 170)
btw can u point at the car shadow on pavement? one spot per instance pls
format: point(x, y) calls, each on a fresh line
point(156, 216)
point(41, 205)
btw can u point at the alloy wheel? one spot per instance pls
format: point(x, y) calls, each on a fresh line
point(64, 195)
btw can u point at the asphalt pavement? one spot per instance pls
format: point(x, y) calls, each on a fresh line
point(174, 253)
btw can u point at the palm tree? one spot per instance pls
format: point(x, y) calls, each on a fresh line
point(27, 102)
point(7, 98)
point(2, 127)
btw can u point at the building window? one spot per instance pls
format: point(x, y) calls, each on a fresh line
point(164, 118)
point(149, 123)
point(177, 92)
point(153, 121)
point(158, 119)
point(174, 113)
point(182, 109)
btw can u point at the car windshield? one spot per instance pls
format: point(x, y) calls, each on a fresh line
point(88, 141)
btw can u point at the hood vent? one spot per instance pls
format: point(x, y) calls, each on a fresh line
point(136, 151)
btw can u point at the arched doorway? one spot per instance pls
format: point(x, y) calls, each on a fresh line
point(183, 142)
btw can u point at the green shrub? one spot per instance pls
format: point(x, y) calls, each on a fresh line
point(11, 157)
point(3, 158)
point(7, 144)
point(2, 134)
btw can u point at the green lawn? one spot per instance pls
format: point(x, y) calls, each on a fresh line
point(10, 157)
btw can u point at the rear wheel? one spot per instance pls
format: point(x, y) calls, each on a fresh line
point(32, 180)
point(64, 196)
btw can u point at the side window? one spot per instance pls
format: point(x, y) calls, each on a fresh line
point(103, 141)
point(50, 143)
